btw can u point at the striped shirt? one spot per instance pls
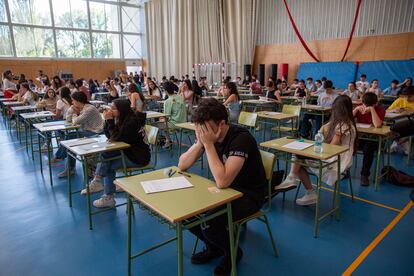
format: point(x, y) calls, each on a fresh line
point(89, 119)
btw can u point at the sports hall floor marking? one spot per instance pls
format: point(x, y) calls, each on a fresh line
point(377, 240)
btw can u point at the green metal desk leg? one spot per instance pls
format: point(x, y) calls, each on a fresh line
point(233, 251)
point(85, 180)
point(69, 183)
point(179, 231)
point(16, 114)
point(129, 206)
point(48, 143)
point(40, 153)
point(181, 141)
point(377, 163)
point(318, 198)
point(338, 190)
point(31, 140)
point(25, 136)
point(264, 129)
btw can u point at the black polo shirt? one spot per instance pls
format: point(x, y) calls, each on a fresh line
point(251, 180)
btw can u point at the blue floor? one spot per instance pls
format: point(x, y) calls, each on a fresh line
point(41, 235)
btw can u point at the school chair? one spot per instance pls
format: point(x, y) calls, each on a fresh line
point(268, 160)
point(249, 120)
point(294, 128)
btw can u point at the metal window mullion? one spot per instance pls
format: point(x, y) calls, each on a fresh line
point(90, 29)
point(53, 28)
point(6, 3)
point(121, 36)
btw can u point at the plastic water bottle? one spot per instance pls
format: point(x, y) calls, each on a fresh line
point(318, 142)
point(304, 101)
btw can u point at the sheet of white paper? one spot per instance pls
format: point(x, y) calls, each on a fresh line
point(96, 146)
point(272, 113)
point(80, 142)
point(296, 145)
point(165, 184)
point(363, 125)
point(392, 114)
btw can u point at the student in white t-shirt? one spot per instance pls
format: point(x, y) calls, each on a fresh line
point(28, 96)
point(375, 89)
point(63, 104)
point(362, 85)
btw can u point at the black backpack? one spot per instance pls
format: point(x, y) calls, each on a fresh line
point(397, 177)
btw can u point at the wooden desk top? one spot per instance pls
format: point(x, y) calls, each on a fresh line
point(55, 125)
point(258, 102)
point(393, 115)
point(177, 205)
point(329, 150)
point(6, 100)
point(187, 125)
point(314, 107)
point(155, 114)
point(12, 103)
point(36, 115)
point(89, 146)
point(23, 108)
point(275, 115)
point(383, 131)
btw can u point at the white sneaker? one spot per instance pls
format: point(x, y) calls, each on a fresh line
point(106, 201)
point(394, 147)
point(95, 186)
point(308, 199)
point(291, 181)
point(167, 145)
point(64, 173)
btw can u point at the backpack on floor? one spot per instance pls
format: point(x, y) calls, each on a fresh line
point(397, 177)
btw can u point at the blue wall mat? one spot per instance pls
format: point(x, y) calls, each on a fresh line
point(387, 70)
point(339, 72)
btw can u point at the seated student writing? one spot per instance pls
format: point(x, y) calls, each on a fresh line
point(122, 124)
point(325, 99)
point(340, 130)
point(232, 101)
point(301, 91)
point(235, 161)
point(393, 90)
point(176, 108)
point(375, 89)
point(90, 123)
point(368, 113)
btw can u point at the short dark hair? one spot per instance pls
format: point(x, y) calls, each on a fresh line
point(408, 91)
point(395, 82)
point(169, 87)
point(318, 81)
point(323, 79)
point(369, 99)
point(328, 84)
point(79, 82)
point(309, 79)
point(80, 97)
point(363, 76)
point(210, 109)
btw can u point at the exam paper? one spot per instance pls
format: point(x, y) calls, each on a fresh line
point(165, 184)
point(296, 145)
point(363, 125)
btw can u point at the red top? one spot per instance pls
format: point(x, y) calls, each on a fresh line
point(367, 117)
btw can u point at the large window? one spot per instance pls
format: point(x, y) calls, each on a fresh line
point(71, 28)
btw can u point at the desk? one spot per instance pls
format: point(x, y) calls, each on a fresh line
point(28, 120)
point(275, 116)
point(81, 149)
point(45, 130)
point(316, 110)
point(323, 161)
point(184, 126)
point(99, 95)
point(290, 99)
point(96, 103)
point(376, 134)
point(387, 100)
point(181, 209)
point(18, 110)
point(258, 103)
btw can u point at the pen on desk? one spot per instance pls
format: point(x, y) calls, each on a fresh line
point(185, 174)
point(171, 173)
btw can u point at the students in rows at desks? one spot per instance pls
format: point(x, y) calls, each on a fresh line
point(9, 87)
point(175, 108)
point(232, 101)
point(235, 162)
point(325, 99)
point(57, 83)
point(26, 96)
point(63, 103)
point(362, 85)
point(136, 98)
point(82, 88)
point(72, 86)
point(392, 90)
point(319, 87)
point(340, 130)
point(403, 104)
point(375, 89)
point(90, 123)
point(301, 91)
point(294, 85)
point(310, 86)
point(122, 124)
point(352, 91)
point(273, 94)
point(368, 113)
point(407, 83)
point(49, 101)
point(187, 93)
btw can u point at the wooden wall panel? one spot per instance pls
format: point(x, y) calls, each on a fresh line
point(385, 47)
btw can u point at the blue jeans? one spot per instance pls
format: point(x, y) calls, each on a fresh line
point(107, 169)
point(61, 153)
point(306, 127)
